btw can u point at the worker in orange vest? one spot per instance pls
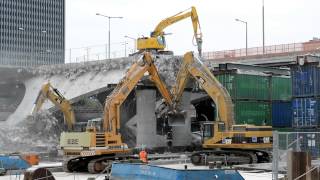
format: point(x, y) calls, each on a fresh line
point(143, 156)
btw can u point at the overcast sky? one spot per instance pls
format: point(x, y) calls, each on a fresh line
point(286, 21)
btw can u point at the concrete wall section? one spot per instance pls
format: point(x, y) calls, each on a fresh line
point(146, 120)
point(182, 134)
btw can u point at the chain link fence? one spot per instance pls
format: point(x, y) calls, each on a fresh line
point(304, 140)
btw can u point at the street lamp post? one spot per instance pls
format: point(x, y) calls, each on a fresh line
point(125, 48)
point(263, 45)
point(109, 17)
point(33, 44)
point(134, 41)
point(245, 22)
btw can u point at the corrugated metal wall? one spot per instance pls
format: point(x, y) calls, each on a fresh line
point(306, 95)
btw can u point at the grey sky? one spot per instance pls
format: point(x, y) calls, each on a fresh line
point(286, 21)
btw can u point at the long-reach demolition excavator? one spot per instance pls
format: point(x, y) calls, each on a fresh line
point(95, 149)
point(223, 140)
point(49, 92)
point(156, 42)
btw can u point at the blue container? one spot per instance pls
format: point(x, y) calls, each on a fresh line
point(13, 162)
point(305, 112)
point(281, 114)
point(125, 171)
point(305, 80)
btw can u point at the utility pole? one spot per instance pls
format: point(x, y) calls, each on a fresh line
point(263, 45)
point(125, 48)
point(109, 18)
point(246, 23)
point(134, 42)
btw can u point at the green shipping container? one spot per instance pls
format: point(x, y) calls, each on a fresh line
point(252, 112)
point(281, 88)
point(246, 86)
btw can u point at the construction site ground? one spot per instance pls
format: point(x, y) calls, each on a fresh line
point(59, 175)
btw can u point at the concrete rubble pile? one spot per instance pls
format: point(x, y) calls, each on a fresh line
point(166, 64)
point(168, 67)
point(35, 133)
point(74, 70)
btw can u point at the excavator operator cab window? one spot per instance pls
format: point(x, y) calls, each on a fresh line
point(207, 130)
point(161, 40)
point(221, 127)
point(94, 125)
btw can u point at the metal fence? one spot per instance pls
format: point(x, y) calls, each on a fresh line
point(98, 52)
point(122, 49)
point(295, 141)
point(268, 50)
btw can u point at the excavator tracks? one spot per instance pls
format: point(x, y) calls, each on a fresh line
point(230, 157)
point(78, 164)
point(95, 164)
point(100, 164)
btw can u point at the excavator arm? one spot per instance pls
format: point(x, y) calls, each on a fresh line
point(125, 86)
point(49, 92)
point(193, 67)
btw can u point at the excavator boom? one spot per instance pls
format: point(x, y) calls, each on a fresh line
point(125, 86)
point(49, 92)
point(192, 66)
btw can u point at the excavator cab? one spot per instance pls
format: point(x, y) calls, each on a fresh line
point(152, 43)
point(94, 125)
point(161, 41)
point(210, 128)
point(207, 130)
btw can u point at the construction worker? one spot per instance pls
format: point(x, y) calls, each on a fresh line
point(143, 156)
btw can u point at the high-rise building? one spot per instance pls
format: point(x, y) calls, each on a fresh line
point(32, 32)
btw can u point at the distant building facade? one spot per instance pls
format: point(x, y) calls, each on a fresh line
point(32, 32)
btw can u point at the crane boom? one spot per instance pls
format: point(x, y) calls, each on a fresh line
point(193, 67)
point(49, 92)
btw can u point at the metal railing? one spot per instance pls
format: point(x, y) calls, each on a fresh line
point(269, 50)
point(123, 49)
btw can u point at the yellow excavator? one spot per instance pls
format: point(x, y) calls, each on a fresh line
point(221, 138)
point(156, 42)
point(49, 92)
point(95, 149)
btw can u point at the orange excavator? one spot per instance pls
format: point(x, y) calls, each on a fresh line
point(156, 42)
point(222, 139)
point(101, 143)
